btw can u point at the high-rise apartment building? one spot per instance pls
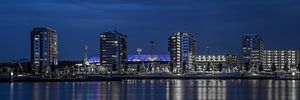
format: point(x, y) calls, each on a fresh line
point(182, 50)
point(113, 50)
point(252, 49)
point(44, 49)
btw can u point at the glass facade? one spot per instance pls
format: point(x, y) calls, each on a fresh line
point(252, 49)
point(182, 50)
point(229, 60)
point(280, 58)
point(113, 50)
point(44, 51)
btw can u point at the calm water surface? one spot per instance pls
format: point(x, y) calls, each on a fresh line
point(154, 90)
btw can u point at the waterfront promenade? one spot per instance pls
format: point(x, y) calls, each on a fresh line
point(120, 77)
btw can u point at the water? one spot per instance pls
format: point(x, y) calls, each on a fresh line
point(154, 90)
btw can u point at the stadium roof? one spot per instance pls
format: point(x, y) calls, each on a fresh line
point(137, 58)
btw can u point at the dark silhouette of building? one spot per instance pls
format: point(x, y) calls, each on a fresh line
point(182, 50)
point(252, 49)
point(113, 51)
point(44, 49)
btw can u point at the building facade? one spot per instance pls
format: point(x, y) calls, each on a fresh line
point(113, 51)
point(280, 58)
point(44, 49)
point(148, 63)
point(211, 62)
point(231, 60)
point(142, 63)
point(252, 49)
point(182, 50)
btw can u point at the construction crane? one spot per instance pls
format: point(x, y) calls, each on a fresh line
point(20, 66)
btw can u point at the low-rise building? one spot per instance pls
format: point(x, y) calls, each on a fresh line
point(209, 62)
point(148, 63)
point(281, 58)
point(142, 63)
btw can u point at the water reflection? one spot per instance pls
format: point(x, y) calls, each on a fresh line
point(154, 89)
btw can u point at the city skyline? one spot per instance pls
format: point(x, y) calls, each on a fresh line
point(150, 49)
point(204, 52)
point(221, 31)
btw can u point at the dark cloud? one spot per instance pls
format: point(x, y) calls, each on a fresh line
point(219, 23)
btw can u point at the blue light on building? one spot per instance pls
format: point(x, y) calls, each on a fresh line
point(44, 48)
point(137, 58)
point(145, 58)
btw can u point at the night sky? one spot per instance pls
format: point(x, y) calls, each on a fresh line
point(218, 23)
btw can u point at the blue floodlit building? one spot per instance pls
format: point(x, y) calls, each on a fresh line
point(136, 58)
point(44, 49)
point(148, 58)
point(142, 63)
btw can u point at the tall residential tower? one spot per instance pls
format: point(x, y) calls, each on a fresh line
point(182, 50)
point(252, 49)
point(44, 49)
point(113, 51)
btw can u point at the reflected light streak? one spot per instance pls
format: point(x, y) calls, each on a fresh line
point(254, 89)
point(11, 90)
point(270, 89)
point(73, 91)
point(293, 90)
point(168, 91)
point(115, 91)
point(153, 89)
point(283, 89)
point(178, 90)
point(36, 91)
point(47, 91)
point(276, 89)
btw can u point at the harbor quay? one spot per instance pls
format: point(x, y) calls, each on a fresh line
point(84, 77)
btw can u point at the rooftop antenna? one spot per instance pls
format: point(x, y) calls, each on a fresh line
point(207, 48)
point(139, 50)
point(152, 44)
point(85, 59)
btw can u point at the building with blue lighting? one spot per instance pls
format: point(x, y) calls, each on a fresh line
point(182, 50)
point(149, 63)
point(136, 58)
point(113, 51)
point(142, 63)
point(44, 49)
